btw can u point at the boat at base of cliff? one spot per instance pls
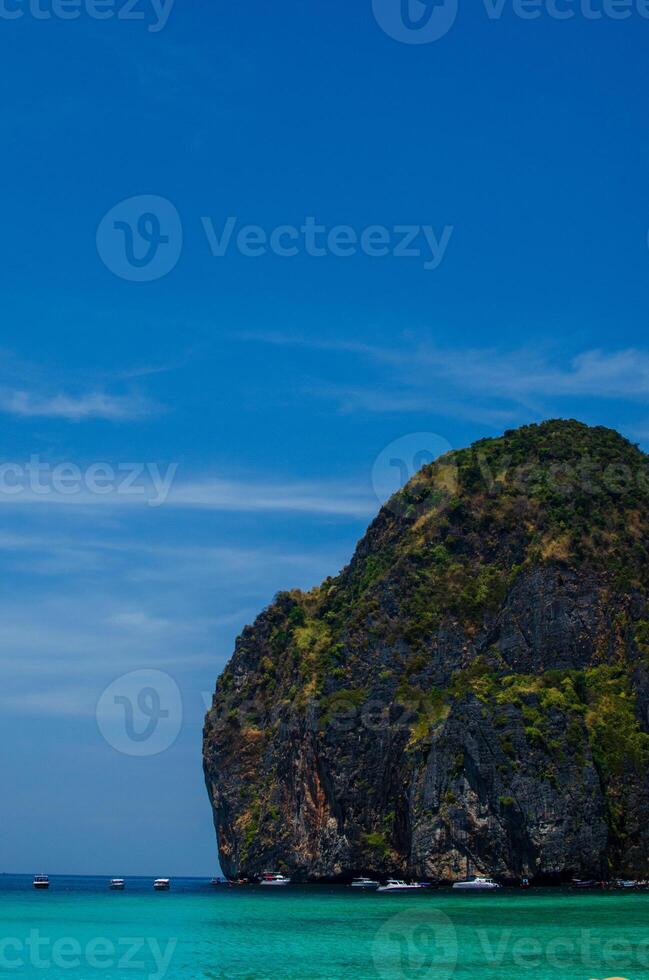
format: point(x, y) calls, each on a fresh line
point(274, 880)
point(396, 885)
point(477, 884)
point(364, 883)
point(41, 881)
point(117, 884)
point(162, 884)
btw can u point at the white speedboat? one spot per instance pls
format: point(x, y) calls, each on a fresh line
point(396, 885)
point(117, 884)
point(479, 883)
point(162, 884)
point(41, 881)
point(365, 883)
point(273, 879)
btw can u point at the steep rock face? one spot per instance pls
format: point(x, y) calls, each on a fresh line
point(472, 688)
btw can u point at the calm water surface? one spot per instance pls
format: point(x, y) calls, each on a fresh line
point(79, 929)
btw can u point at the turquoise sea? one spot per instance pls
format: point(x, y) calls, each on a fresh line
point(79, 929)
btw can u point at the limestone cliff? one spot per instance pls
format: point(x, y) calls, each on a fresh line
point(473, 686)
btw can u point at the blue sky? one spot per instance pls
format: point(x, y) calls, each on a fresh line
point(271, 385)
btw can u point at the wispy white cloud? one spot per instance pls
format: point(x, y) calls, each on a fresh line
point(71, 701)
point(385, 399)
point(421, 376)
point(75, 408)
point(32, 390)
point(326, 497)
point(523, 373)
point(138, 620)
point(243, 496)
point(60, 646)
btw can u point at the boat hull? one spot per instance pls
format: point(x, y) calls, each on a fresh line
point(404, 888)
point(475, 888)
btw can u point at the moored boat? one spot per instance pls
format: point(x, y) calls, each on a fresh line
point(396, 885)
point(364, 883)
point(41, 881)
point(478, 883)
point(162, 884)
point(274, 879)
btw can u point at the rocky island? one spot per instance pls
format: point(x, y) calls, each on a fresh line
point(472, 689)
